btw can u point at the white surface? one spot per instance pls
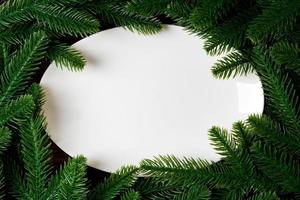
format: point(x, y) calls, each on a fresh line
point(140, 96)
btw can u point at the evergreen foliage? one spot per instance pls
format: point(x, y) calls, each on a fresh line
point(148, 8)
point(151, 188)
point(65, 56)
point(267, 25)
point(63, 20)
point(35, 156)
point(232, 65)
point(194, 193)
point(116, 183)
point(18, 72)
point(16, 109)
point(279, 91)
point(58, 19)
point(38, 96)
point(286, 54)
point(5, 138)
point(260, 156)
point(113, 12)
point(70, 181)
point(130, 195)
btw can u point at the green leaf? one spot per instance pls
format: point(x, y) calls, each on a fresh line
point(279, 91)
point(210, 11)
point(115, 184)
point(274, 133)
point(278, 17)
point(15, 11)
point(238, 193)
point(278, 166)
point(244, 163)
point(155, 189)
point(17, 34)
point(223, 142)
point(71, 3)
point(68, 57)
point(16, 109)
point(232, 65)
point(114, 13)
point(242, 134)
point(36, 156)
point(5, 55)
point(66, 20)
point(14, 178)
point(194, 193)
point(265, 196)
point(169, 163)
point(70, 182)
point(189, 171)
point(180, 11)
point(5, 138)
point(38, 96)
point(287, 54)
point(16, 76)
point(230, 33)
point(130, 195)
point(147, 7)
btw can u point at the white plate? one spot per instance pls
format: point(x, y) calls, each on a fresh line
point(141, 96)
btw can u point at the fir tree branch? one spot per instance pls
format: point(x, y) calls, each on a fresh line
point(234, 155)
point(210, 11)
point(194, 193)
point(180, 10)
point(16, 109)
point(279, 91)
point(15, 11)
point(17, 74)
point(14, 177)
point(155, 189)
point(115, 13)
point(245, 164)
point(230, 33)
point(239, 193)
point(115, 183)
point(265, 196)
point(273, 133)
point(38, 96)
point(170, 164)
point(223, 142)
point(17, 34)
point(280, 167)
point(242, 160)
point(278, 17)
point(66, 20)
point(148, 8)
point(232, 65)
point(36, 156)
point(5, 138)
point(5, 55)
point(69, 3)
point(130, 195)
point(287, 54)
point(65, 56)
point(189, 171)
point(242, 135)
point(70, 181)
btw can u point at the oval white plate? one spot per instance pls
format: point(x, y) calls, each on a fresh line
point(141, 96)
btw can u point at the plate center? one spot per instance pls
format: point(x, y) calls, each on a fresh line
point(141, 96)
